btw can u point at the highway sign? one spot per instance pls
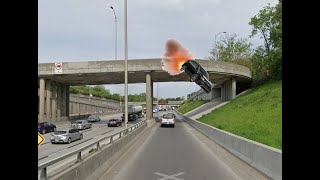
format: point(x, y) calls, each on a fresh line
point(58, 67)
point(40, 139)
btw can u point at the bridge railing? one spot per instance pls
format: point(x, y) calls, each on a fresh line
point(44, 165)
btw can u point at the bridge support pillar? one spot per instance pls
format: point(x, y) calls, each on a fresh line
point(41, 98)
point(54, 102)
point(48, 99)
point(228, 90)
point(148, 96)
point(59, 101)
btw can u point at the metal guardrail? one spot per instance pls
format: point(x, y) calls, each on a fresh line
point(43, 166)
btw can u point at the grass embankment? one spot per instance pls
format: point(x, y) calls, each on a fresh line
point(190, 105)
point(256, 115)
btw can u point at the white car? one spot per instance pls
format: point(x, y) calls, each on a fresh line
point(167, 120)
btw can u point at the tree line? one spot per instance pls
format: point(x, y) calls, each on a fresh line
point(264, 61)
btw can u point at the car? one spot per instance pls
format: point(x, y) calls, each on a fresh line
point(197, 75)
point(174, 116)
point(45, 127)
point(93, 118)
point(81, 124)
point(132, 117)
point(65, 136)
point(154, 110)
point(167, 120)
point(114, 122)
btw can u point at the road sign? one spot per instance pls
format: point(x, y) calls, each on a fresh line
point(40, 139)
point(58, 67)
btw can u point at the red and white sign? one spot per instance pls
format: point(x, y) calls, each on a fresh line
point(58, 67)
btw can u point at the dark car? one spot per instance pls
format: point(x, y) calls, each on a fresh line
point(197, 74)
point(114, 122)
point(45, 127)
point(132, 117)
point(93, 118)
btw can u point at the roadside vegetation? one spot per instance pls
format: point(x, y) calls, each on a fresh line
point(190, 105)
point(256, 115)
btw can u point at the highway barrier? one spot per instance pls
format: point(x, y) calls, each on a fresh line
point(266, 159)
point(90, 167)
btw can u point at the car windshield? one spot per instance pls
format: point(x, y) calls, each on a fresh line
point(78, 122)
point(59, 132)
point(167, 116)
point(92, 117)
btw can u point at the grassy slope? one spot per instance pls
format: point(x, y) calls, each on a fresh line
point(256, 115)
point(190, 105)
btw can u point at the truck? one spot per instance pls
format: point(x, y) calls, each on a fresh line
point(134, 112)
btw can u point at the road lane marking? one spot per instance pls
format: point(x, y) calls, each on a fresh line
point(166, 177)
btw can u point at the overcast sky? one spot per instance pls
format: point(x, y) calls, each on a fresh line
point(83, 30)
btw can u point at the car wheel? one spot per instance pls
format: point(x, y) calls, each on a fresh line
point(81, 136)
point(108, 125)
point(43, 131)
point(69, 140)
point(52, 142)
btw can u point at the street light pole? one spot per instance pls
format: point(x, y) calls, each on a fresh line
point(215, 42)
point(115, 43)
point(115, 23)
point(158, 100)
point(125, 64)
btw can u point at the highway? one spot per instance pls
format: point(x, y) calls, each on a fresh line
point(180, 153)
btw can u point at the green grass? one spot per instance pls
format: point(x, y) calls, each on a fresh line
point(256, 115)
point(190, 105)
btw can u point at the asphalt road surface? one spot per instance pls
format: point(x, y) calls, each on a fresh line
point(180, 153)
point(98, 129)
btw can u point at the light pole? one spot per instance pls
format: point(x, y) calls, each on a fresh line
point(125, 65)
point(158, 100)
point(115, 23)
point(215, 42)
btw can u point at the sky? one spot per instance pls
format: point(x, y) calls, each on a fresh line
point(84, 30)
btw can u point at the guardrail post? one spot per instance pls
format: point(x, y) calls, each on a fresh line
point(111, 139)
point(43, 174)
point(131, 129)
point(120, 135)
point(79, 157)
point(98, 146)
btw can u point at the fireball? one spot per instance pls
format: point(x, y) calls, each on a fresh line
point(174, 57)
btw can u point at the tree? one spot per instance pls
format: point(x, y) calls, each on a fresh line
point(232, 49)
point(268, 23)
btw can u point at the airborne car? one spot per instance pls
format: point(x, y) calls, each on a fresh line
point(197, 74)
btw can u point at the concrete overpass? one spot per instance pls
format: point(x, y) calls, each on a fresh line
point(54, 85)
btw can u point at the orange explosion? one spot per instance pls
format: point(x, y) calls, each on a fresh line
point(174, 57)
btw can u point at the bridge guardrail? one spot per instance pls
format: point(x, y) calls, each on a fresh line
point(43, 166)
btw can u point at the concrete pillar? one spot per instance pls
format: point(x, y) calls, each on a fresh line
point(63, 100)
point(59, 101)
point(41, 98)
point(67, 100)
point(148, 96)
point(223, 92)
point(54, 102)
point(48, 99)
point(233, 88)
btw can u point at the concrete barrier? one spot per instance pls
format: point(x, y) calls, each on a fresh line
point(264, 158)
point(96, 164)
